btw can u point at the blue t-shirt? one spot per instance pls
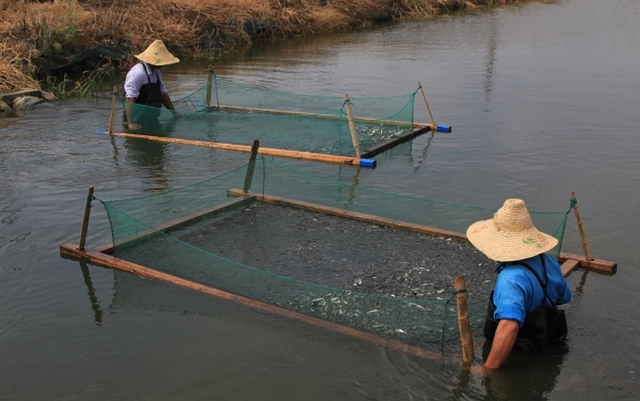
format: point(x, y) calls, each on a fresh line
point(518, 291)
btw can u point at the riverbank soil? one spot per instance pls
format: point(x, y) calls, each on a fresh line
point(40, 39)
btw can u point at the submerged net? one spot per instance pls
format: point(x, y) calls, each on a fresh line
point(231, 112)
point(238, 251)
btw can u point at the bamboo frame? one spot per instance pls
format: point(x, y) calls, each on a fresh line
point(102, 259)
point(352, 125)
point(85, 220)
point(583, 237)
point(464, 323)
point(599, 265)
point(295, 154)
point(252, 164)
point(393, 142)
point(329, 116)
point(101, 256)
point(426, 103)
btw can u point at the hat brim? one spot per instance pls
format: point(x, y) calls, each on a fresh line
point(168, 60)
point(505, 246)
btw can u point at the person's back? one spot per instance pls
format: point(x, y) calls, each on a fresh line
point(522, 310)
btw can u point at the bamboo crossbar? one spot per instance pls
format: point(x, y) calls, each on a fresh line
point(294, 154)
point(102, 259)
point(325, 116)
point(181, 222)
point(368, 218)
point(599, 265)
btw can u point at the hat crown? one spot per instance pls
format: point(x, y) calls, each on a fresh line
point(157, 54)
point(510, 235)
point(513, 216)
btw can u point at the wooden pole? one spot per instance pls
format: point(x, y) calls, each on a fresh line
point(85, 220)
point(252, 164)
point(352, 126)
point(113, 109)
point(426, 103)
point(583, 237)
point(95, 257)
point(464, 323)
point(208, 97)
point(329, 116)
point(295, 154)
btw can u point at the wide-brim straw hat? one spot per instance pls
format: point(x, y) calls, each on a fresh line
point(510, 235)
point(157, 54)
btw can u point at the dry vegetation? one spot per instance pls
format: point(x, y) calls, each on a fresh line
point(35, 30)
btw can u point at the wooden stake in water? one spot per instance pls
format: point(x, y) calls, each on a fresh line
point(352, 126)
point(464, 324)
point(85, 220)
point(208, 98)
point(113, 109)
point(252, 164)
point(583, 237)
point(426, 103)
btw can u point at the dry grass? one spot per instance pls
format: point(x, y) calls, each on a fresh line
point(16, 71)
point(32, 28)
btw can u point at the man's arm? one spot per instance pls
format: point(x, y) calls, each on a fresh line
point(503, 342)
point(166, 100)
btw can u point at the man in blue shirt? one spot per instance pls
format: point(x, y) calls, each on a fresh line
point(528, 279)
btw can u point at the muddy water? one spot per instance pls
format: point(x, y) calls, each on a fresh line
point(543, 99)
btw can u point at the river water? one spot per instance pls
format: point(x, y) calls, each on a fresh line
point(543, 100)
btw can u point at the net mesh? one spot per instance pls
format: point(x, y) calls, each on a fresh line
point(145, 232)
point(231, 112)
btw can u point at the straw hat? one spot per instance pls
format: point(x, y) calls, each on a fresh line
point(157, 54)
point(510, 235)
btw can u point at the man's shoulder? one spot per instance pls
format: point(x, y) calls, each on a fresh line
point(137, 69)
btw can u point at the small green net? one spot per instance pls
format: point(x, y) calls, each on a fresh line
point(144, 232)
point(231, 112)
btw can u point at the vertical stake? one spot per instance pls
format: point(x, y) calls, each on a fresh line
point(252, 164)
point(583, 237)
point(426, 103)
point(85, 220)
point(208, 101)
point(352, 126)
point(113, 109)
point(464, 324)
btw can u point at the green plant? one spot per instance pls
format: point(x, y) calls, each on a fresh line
point(86, 85)
point(60, 35)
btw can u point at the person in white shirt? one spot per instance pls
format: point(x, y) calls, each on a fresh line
point(143, 85)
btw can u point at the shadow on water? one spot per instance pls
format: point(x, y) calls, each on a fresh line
point(151, 155)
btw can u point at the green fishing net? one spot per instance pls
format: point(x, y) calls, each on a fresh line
point(231, 112)
point(175, 232)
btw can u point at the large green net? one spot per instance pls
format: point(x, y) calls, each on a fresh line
point(160, 231)
point(226, 111)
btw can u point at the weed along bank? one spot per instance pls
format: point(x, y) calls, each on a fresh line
point(66, 46)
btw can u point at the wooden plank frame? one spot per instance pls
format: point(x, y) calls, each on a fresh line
point(414, 129)
point(598, 265)
point(101, 256)
point(393, 142)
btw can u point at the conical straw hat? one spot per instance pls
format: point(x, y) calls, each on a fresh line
point(510, 235)
point(157, 54)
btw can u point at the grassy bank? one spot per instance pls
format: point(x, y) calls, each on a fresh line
point(40, 39)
